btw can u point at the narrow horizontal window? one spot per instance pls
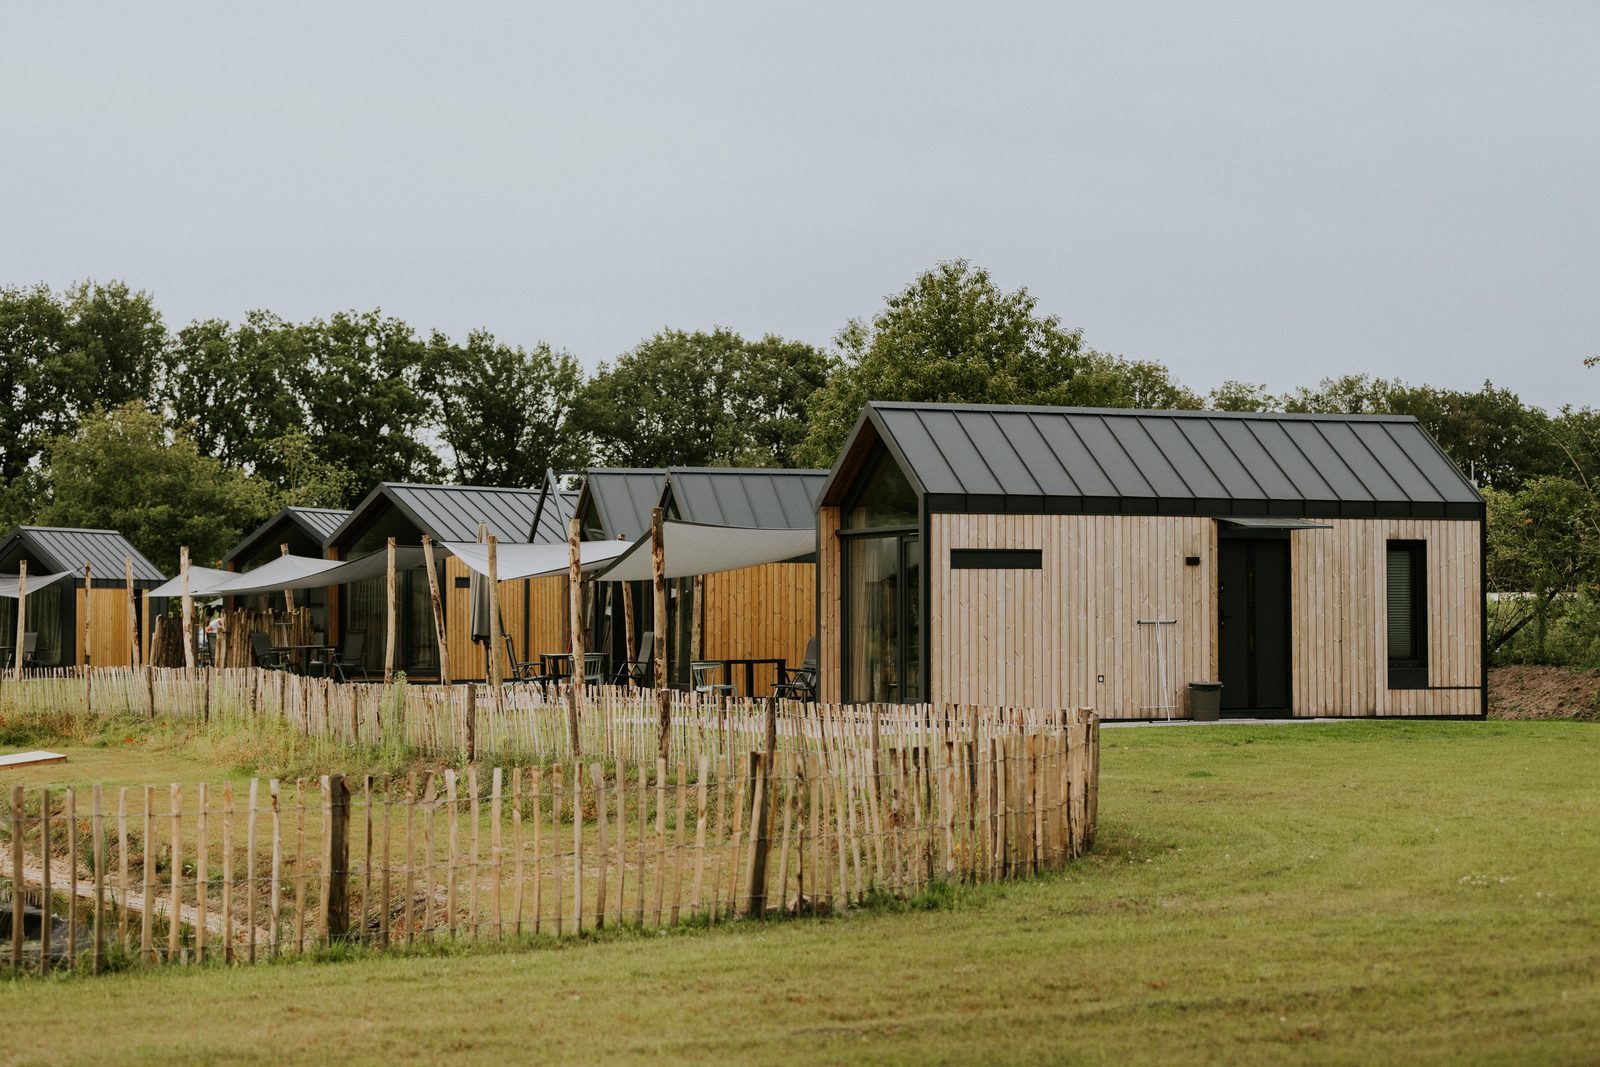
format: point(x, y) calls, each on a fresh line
point(464, 582)
point(996, 559)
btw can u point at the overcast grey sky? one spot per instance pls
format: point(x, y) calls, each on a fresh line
point(1273, 192)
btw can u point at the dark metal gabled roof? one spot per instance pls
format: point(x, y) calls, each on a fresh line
point(754, 497)
point(995, 458)
point(315, 523)
point(451, 512)
point(556, 508)
point(622, 498)
point(51, 549)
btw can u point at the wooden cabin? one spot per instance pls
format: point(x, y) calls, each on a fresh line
point(305, 531)
point(56, 612)
point(1315, 565)
point(766, 612)
point(532, 611)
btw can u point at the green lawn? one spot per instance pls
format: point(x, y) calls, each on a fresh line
point(1357, 893)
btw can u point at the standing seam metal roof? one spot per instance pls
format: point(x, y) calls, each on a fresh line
point(753, 497)
point(1002, 458)
point(316, 523)
point(62, 549)
point(452, 512)
point(623, 498)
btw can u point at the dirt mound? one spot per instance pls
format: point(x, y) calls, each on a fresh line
point(1528, 692)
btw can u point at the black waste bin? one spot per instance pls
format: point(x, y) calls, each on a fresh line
point(1205, 701)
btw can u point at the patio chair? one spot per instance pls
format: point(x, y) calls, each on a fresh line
point(594, 668)
point(802, 683)
point(522, 670)
point(263, 655)
point(700, 677)
point(349, 659)
point(637, 671)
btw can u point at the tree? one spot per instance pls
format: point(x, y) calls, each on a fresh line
point(1544, 548)
point(122, 470)
point(1242, 396)
point(62, 354)
point(701, 399)
point(236, 390)
point(366, 410)
point(504, 412)
point(953, 335)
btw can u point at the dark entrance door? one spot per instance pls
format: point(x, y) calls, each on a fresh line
point(1253, 623)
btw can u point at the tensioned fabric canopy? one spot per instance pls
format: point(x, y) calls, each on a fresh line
point(692, 548)
point(319, 573)
point(519, 560)
point(8, 582)
point(203, 581)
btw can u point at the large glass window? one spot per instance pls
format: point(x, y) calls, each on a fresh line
point(882, 588)
point(1406, 600)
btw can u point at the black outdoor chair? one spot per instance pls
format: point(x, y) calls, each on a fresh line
point(263, 655)
point(30, 648)
point(349, 659)
point(700, 676)
point(802, 683)
point(637, 671)
point(522, 670)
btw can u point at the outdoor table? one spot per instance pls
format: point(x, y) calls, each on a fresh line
point(555, 664)
point(302, 653)
point(750, 666)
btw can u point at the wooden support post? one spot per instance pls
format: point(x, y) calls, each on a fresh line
point(17, 896)
point(133, 612)
point(142, 638)
point(438, 610)
point(388, 639)
point(658, 570)
point(337, 904)
point(288, 596)
point(88, 636)
point(697, 614)
point(629, 633)
point(575, 634)
point(19, 651)
point(472, 722)
point(188, 608)
point(496, 675)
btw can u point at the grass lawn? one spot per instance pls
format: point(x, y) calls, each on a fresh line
point(1358, 893)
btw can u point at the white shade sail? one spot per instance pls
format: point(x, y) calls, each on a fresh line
point(203, 581)
point(519, 560)
point(693, 549)
point(319, 573)
point(8, 582)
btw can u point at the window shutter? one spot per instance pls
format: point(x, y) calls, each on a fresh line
point(1402, 625)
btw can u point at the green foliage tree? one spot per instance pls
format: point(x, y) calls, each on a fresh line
point(61, 354)
point(504, 412)
point(235, 390)
point(367, 410)
point(1242, 396)
point(123, 470)
point(1544, 550)
point(701, 399)
point(954, 336)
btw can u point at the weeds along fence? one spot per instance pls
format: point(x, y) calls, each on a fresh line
point(521, 722)
point(828, 811)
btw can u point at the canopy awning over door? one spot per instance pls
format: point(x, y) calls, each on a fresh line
point(1273, 524)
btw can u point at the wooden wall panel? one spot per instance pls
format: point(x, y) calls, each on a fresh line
point(113, 641)
point(1046, 638)
point(762, 612)
point(1338, 619)
point(829, 682)
point(466, 658)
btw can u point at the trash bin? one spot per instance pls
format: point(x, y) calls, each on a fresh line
point(1205, 701)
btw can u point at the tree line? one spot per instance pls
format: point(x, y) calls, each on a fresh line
point(191, 436)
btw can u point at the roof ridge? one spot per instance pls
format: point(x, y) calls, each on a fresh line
point(1189, 413)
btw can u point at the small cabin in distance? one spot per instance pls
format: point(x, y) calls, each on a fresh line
point(55, 612)
point(305, 531)
point(1315, 565)
point(529, 608)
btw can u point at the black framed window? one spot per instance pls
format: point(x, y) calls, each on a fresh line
point(881, 556)
point(1406, 589)
point(885, 498)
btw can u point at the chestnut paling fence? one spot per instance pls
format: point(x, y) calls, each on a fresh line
point(759, 808)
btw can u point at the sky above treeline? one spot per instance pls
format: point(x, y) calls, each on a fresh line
point(1272, 192)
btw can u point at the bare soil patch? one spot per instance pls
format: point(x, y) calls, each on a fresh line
point(1524, 691)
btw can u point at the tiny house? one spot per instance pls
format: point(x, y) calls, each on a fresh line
point(1315, 565)
point(754, 613)
point(532, 610)
point(56, 612)
point(304, 531)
